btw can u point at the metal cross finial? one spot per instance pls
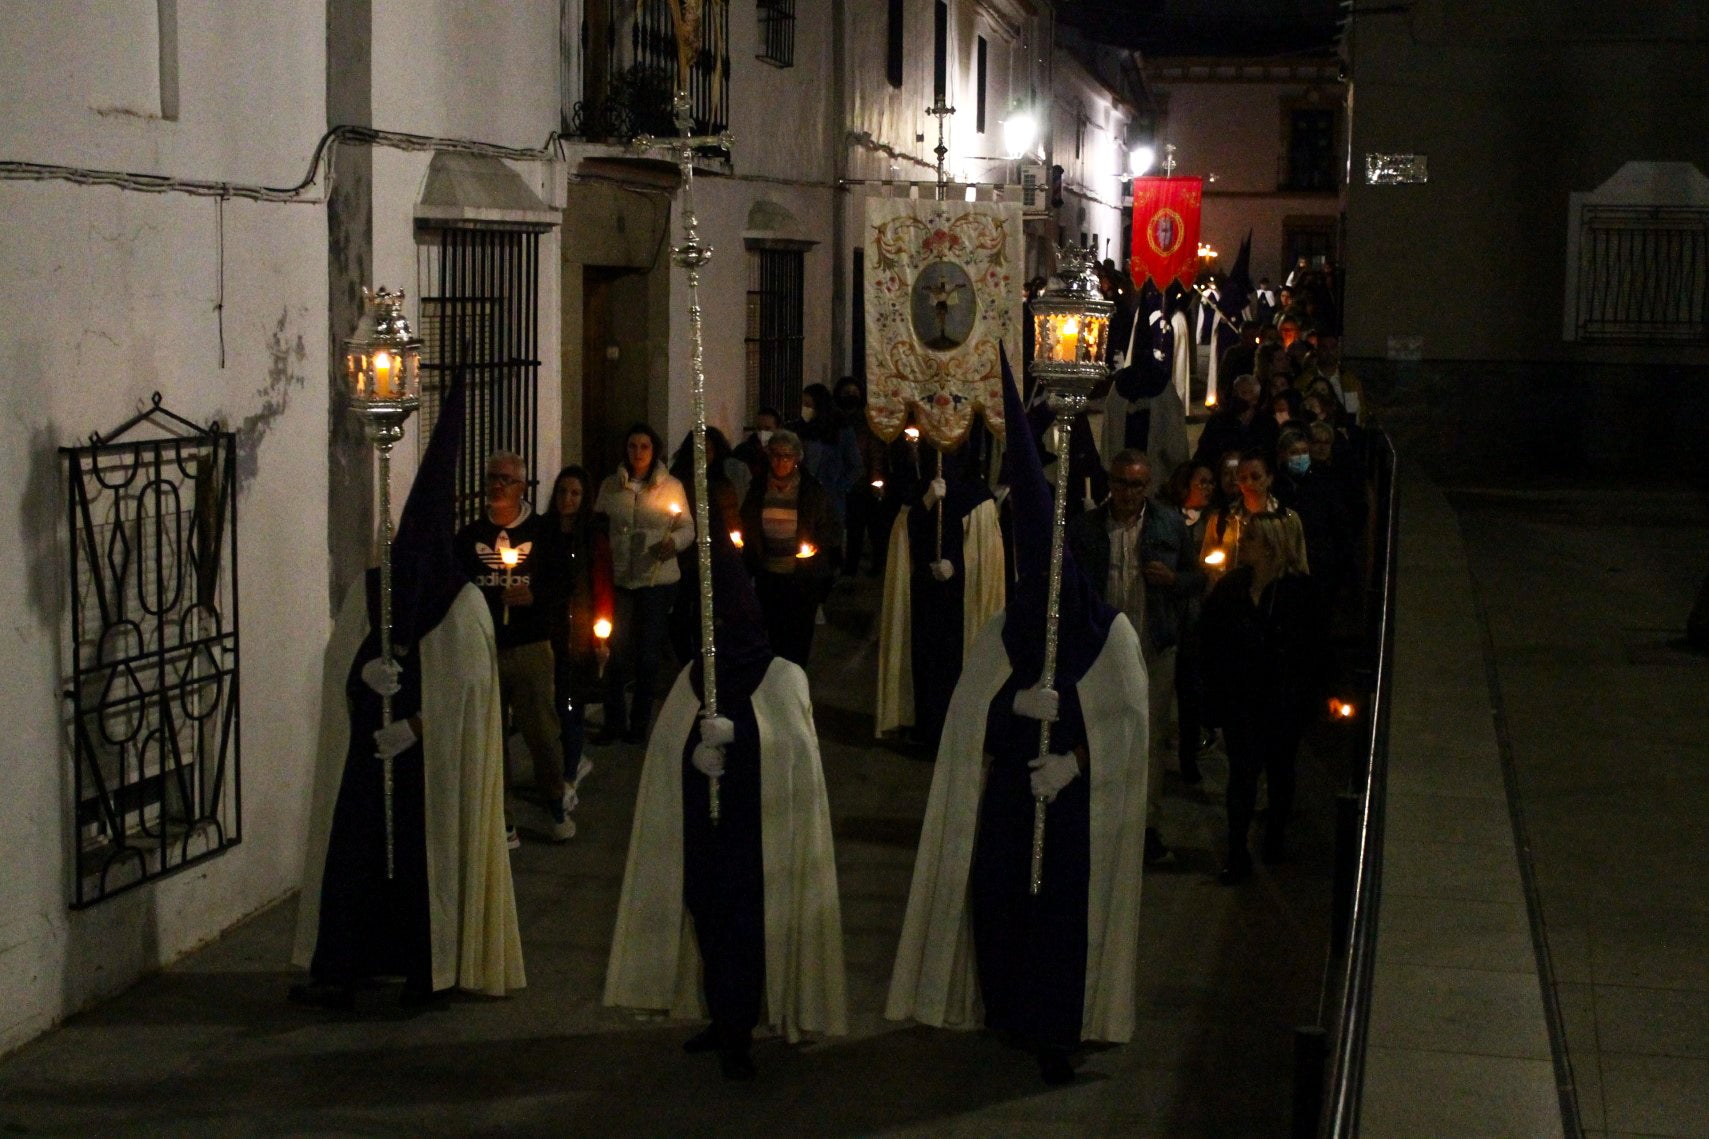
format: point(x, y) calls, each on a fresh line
point(1168, 160)
point(941, 112)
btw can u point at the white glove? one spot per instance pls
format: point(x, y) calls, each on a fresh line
point(708, 760)
point(943, 569)
point(382, 676)
point(397, 736)
point(1038, 704)
point(716, 731)
point(936, 492)
point(1051, 773)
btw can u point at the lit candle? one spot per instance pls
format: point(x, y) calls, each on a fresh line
point(736, 538)
point(508, 556)
point(807, 550)
point(1216, 558)
point(877, 484)
point(383, 375)
point(602, 630)
point(1068, 341)
point(1341, 709)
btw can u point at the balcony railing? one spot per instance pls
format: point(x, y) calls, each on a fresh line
point(620, 69)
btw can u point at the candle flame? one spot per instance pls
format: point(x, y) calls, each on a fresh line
point(1216, 558)
point(736, 538)
point(877, 484)
point(602, 628)
point(1341, 709)
point(1071, 326)
point(913, 434)
point(807, 550)
point(508, 556)
point(675, 509)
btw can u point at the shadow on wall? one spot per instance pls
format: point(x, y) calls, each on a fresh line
point(1468, 420)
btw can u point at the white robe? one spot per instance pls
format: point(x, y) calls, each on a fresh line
point(934, 980)
point(655, 960)
point(981, 596)
point(474, 938)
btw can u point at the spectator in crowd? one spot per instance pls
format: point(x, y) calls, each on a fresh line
point(432, 901)
point(1325, 367)
point(758, 880)
point(512, 555)
point(1054, 968)
point(650, 523)
point(1191, 490)
point(1319, 501)
point(788, 532)
point(579, 651)
point(752, 449)
point(1137, 556)
point(1264, 652)
point(1240, 425)
point(943, 582)
point(1288, 409)
point(1254, 476)
point(865, 525)
point(831, 455)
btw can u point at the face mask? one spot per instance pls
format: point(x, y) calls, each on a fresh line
point(1299, 464)
point(764, 436)
point(807, 413)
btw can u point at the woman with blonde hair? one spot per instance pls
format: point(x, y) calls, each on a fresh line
point(1264, 666)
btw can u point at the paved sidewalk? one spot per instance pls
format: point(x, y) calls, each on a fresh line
point(209, 1047)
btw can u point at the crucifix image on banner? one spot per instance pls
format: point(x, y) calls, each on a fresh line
point(1166, 230)
point(942, 293)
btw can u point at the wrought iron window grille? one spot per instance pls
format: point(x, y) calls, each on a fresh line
point(1643, 275)
point(774, 329)
point(152, 698)
point(777, 32)
point(480, 312)
point(620, 72)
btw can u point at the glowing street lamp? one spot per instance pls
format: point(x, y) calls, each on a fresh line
point(1020, 130)
point(1139, 160)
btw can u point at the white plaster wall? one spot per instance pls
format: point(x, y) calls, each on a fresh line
point(1093, 192)
point(105, 297)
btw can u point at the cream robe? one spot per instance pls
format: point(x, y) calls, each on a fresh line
point(981, 596)
point(476, 943)
point(655, 960)
point(934, 980)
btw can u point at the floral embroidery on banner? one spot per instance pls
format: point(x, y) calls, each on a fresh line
point(941, 296)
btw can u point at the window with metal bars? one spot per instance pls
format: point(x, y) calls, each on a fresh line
point(773, 339)
point(981, 69)
point(1643, 275)
point(480, 314)
point(777, 32)
point(893, 43)
point(940, 52)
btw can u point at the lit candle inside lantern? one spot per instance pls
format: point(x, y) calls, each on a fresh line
point(1216, 558)
point(1068, 341)
point(807, 550)
point(509, 557)
point(383, 375)
point(736, 538)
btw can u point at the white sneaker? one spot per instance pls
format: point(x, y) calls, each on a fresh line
point(559, 823)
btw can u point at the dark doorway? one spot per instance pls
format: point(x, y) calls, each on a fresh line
point(614, 362)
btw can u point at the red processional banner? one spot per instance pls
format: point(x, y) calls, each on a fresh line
point(1166, 230)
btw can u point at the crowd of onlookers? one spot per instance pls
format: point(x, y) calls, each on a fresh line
point(1230, 565)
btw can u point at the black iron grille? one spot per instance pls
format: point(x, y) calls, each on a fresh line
point(774, 330)
point(480, 314)
point(153, 690)
point(777, 32)
point(1643, 275)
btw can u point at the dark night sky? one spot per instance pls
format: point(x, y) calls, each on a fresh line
point(1160, 28)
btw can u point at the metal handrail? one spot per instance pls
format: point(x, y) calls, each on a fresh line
point(1345, 1080)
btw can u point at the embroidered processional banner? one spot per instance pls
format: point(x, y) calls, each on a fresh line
point(943, 291)
point(1166, 230)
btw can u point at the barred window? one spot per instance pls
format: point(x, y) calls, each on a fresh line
point(480, 315)
point(981, 71)
point(1643, 275)
point(774, 329)
point(777, 32)
point(893, 44)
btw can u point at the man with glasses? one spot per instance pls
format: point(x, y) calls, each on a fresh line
point(509, 554)
point(1141, 562)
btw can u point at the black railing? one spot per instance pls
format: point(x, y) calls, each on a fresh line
point(153, 691)
point(774, 329)
point(480, 314)
point(1330, 1057)
point(621, 70)
point(777, 32)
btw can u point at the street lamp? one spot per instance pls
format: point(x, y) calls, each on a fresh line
point(382, 367)
point(1139, 160)
point(1071, 324)
point(1020, 130)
